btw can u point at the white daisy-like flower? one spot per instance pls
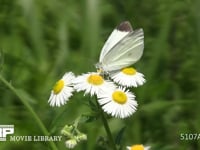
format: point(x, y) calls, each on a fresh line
point(118, 103)
point(92, 83)
point(138, 147)
point(128, 77)
point(62, 90)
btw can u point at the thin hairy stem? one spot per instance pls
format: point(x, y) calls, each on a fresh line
point(107, 128)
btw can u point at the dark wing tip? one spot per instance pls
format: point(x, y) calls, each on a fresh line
point(125, 26)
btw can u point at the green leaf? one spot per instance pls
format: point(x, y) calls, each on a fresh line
point(119, 136)
point(93, 105)
point(85, 118)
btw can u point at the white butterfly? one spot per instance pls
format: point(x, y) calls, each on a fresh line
point(123, 48)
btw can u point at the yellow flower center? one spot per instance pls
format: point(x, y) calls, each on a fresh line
point(58, 86)
point(95, 79)
point(137, 147)
point(129, 71)
point(119, 97)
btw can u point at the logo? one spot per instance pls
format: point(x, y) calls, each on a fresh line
point(9, 129)
point(5, 130)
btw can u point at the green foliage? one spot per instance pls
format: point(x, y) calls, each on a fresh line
point(41, 40)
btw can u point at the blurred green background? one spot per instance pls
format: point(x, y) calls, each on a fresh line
point(41, 40)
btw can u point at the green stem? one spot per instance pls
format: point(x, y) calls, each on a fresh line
point(30, 109)
point(106, 126)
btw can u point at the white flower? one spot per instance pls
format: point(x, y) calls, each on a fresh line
point(62, 90)
point(71, 143)
point(128, 77)
point(138, 147)
point(92, 83)
point(118, 102)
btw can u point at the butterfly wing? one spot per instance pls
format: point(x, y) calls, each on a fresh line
point(125, 52)
point(119, 33)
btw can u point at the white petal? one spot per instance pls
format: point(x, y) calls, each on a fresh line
point(128, 80)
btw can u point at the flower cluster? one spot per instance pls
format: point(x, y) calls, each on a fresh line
point(73, 135)
point(111, 90)
point(110, 84)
